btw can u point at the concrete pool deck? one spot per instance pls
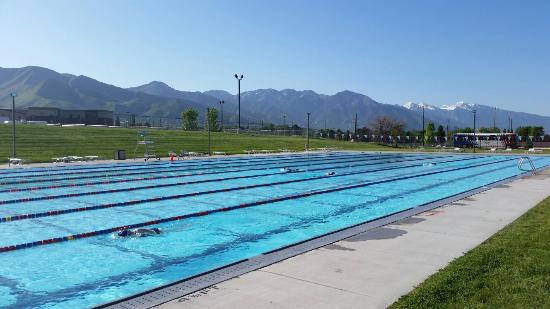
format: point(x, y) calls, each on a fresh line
point(374, 268)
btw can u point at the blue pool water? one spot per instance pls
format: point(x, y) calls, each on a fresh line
point(84, 272)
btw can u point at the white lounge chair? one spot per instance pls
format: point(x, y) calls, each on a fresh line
point(533, 150)
point(75, 158)
point(14, 161)
point(61, 159)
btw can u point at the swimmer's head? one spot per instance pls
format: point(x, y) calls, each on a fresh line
point(123, 233)
point(156, 230)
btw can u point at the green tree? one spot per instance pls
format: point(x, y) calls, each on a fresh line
point(338, 134)
point(440, 132)
point(189, 119)
point(537, 132)
point(522, 131)
point(489, 130)
point(212, 118)
point(430, 128)
point(268, 126)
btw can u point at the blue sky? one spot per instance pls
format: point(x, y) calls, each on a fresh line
point(439, 52)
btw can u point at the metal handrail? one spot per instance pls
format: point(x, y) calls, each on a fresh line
point(522, 160)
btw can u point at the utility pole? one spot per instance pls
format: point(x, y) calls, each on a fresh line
point(13, 95)
point(307, 133)
point(475, 141)
point(423, 127)
point(221, 108)
point(208, 124)
point(355, 126)
point(284, 125)
point(239, 96)
point(448, 136)
point(494, 119)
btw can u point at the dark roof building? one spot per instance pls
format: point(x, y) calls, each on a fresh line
point(62, 116)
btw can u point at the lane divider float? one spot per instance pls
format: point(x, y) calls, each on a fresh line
point(229, 208)
point(50, 197)
point(179, 196)
point(298, 163)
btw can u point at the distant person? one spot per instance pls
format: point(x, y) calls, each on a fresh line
point(139, 232)
point(289, 170)
point(331, 173)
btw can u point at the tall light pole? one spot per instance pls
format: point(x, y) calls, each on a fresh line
point(221, 108)
point(423, 127)
point(285, 131)
point(239, 96)
point(355, 125)
point(474, 111)
point(13, 95)
point(208, 124)
point(307, 133)
point(494, 119)
point(448, 136)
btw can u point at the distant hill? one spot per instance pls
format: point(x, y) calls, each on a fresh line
point(337, 110)
point(206, 99)
point(37, 86)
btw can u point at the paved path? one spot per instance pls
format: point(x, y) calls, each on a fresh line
point(371, 270)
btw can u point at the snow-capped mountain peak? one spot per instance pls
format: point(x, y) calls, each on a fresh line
point(459, 105)
point(418, 106)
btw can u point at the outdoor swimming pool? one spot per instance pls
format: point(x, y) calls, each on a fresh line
point(58, 225)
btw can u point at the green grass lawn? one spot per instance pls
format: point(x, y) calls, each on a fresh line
point(509, 270)
point(41, 143)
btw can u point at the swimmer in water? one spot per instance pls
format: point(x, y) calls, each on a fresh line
point(139, 232)
point(330, 173)
point(289, 170)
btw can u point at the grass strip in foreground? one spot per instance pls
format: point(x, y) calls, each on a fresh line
point(509, 270)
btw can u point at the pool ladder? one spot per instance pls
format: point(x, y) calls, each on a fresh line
point(522, 160)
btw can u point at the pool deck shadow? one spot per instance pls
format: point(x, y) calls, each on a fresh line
point(374, 268)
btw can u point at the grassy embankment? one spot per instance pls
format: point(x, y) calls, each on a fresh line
point(509, 270)
point(42, 143)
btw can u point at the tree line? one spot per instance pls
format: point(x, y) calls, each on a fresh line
point(383, 126)
point(190, 119)
point(388, 129)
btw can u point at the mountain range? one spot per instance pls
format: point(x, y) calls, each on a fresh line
point(38, 86)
